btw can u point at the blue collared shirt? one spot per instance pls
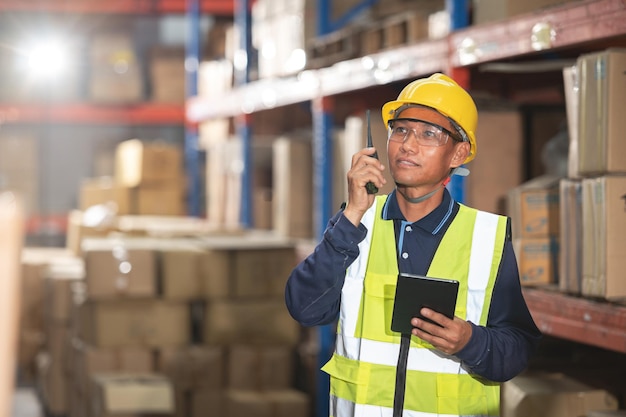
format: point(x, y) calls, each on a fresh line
point(497, 351)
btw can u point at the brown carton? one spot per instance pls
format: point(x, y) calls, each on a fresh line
point(89, 360)
point(534, 208)
point(115, 270)
point(193, 367)
point(571, 230)
point(552, 395)
point(537, 260)
point(180, 273)
point(140, 162)
point(260, 368)
point(250, 321)
point(601, 121)
point(604, 222)
point(124, 323)
point(118, 393)
point(280, 403)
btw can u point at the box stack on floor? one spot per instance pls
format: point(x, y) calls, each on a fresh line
point(168, 326)
point(158, 314)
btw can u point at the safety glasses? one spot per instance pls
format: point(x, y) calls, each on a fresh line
point(426, 133)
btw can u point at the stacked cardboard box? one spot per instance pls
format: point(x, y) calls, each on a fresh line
point(596, 181)
point(121, 317)
point(534, 208)
point(35, 266)
point(167, 75)
point(47, 275)
point(19, 168)
point(246, 316)
point(148, 180)
point(116, 75)
point(196, 325)
point(553, 395)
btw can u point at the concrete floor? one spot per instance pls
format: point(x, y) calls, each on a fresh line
point(26, 403)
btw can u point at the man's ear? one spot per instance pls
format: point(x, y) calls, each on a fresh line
point(461, 152)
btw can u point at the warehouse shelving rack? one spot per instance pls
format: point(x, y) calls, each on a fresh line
point(140, 114)
point(563, 31)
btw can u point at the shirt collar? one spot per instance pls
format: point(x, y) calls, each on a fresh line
point(431, 223)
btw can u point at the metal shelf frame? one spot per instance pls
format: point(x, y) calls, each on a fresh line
point(214, 7)
point(89, 113)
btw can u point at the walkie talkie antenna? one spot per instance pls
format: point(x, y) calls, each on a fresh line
point(370, 187)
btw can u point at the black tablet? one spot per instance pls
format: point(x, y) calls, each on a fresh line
point(416, 291)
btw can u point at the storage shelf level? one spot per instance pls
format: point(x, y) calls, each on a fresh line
point(217, 7)
point(578, 319)
point(83, 113)
point(342, 77)
point(569, 25)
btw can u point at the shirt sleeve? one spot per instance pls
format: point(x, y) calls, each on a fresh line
point(313, 290)
point(501, 350)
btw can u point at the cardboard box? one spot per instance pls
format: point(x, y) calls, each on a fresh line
point(537, 260)
point(116, 393)
point(53, 384)
point(117, 271)
point(116, 75)
point(215, 266)
point(140, 162)
point(486, 188)
point(125, 323)
point(241, 269)
point(228, 322)
point(164, 199)
point(194, 367)
point(262, 272)
point(207, 403)
point(570, 236)
point(601, 121)
point(167, 75)
point(552, 395)
point(59, 279)
point(283, 403)
point(179, 273)
point(104, 190)
point(89, 360)
point(260, 368)
point(534, 207)
point(494, 10)
point(571, 85)
point(293, 187)
point(604, 222)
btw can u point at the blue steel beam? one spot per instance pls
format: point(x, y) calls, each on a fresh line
point(458, 11)
point(243, 21)
point(192, 154)
point(323, 195)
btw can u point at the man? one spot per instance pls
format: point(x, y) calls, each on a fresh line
point(450, 368)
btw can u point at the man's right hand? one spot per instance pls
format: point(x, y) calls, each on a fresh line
point(364, 169)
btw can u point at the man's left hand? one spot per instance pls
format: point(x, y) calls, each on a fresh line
point(449, 337)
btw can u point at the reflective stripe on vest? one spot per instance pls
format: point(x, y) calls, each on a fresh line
point(363, 367)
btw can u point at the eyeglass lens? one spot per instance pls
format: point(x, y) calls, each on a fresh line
point(425, 133)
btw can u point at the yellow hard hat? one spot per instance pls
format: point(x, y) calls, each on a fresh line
point(444, 95)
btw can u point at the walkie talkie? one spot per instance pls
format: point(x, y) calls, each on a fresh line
point(370, 187)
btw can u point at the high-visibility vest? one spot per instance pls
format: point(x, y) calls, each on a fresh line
point(363, 368)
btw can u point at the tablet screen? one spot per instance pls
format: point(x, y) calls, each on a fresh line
point(416, 291)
